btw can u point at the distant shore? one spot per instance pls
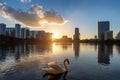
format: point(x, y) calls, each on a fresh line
point(12, 40)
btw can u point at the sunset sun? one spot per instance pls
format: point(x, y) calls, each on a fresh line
point(56, 35)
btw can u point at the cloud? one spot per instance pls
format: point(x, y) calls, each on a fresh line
point(34, 17)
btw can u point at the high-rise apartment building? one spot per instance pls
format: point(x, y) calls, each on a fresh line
point(118, 36)
point(42, 35)
point(10, 32)
point(17, 30)
point(76, 36)
point(2, 29)
point(24, 33)
point(33, 34)
point(108, 35)
point(103, 26)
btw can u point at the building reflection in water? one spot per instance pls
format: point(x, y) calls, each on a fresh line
point(42, 48)
point(22, 50)
point(64, 45)
point(76, 46)
point(17, 52)
point(104, 52)
point(3, 53)
point(118, 49)
point(95, 47)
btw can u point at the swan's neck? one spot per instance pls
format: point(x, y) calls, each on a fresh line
point(65, 66)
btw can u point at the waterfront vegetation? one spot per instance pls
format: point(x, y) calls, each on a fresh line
point(12, 40)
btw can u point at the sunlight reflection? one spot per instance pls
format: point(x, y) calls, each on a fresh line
point(57, 49)
point(54, 48)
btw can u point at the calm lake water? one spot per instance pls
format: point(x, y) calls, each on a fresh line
point(87, 61)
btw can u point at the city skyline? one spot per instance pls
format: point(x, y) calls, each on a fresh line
point(83, 14)
point(18, 31)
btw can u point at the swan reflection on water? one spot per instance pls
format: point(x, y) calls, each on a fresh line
point(55, 72)
point(55, 76)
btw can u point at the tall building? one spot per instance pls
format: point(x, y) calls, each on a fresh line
point(76, 35)
point(42, 35)
point(49, 36)
point(24, 33)
point(28, 33)
point(17, 30)
point(108, 35)
point(118, 36)
point(103, 26)
point(33, 34)
point(2, 29)
point(10, 32)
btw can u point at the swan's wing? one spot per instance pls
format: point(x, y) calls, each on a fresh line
point(52, 70)
point(48, 70)
point(51, 63)
point(56, 67)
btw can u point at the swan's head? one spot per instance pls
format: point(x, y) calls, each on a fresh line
point(67, 60)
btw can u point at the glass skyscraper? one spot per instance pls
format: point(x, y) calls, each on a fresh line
point(76, 35)
point(17, 30)
point(2, 29)
point(103, 26)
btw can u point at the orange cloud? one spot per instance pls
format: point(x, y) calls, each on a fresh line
point(34, 17)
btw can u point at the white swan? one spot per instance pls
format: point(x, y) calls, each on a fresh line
point(55, 69)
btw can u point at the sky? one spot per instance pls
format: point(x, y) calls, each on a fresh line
point(61, 16)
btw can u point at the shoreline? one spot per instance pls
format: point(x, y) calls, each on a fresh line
point(12, 40)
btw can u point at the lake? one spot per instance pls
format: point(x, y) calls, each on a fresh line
point(87, 61)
